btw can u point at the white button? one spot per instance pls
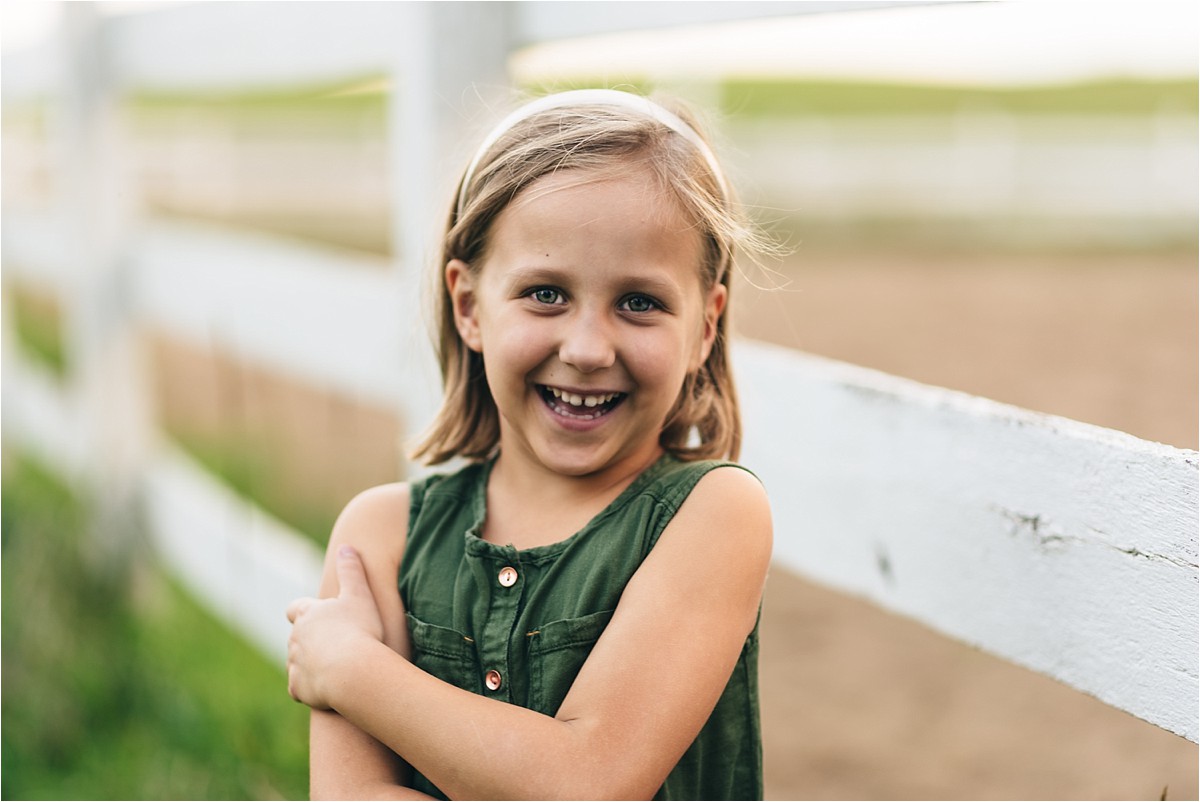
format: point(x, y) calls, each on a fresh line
point(508, 576)
point(492, 680)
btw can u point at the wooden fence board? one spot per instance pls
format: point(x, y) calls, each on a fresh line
point(1065, 547)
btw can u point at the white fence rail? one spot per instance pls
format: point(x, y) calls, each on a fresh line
point(1064, 547)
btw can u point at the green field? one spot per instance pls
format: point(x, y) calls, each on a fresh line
point(38, 325)
point(252, 470)
point(745, 97)
point(116, 684)
point(791, 98)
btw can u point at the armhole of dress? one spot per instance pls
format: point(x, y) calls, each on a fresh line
point(416, 497)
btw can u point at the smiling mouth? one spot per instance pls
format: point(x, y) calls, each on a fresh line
point(580, 407)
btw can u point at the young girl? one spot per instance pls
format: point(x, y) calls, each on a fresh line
point(573, 614)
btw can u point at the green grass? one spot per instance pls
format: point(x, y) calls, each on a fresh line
point(38, 326)
point(792, 97)
point(742, 98)
point(348, 110)
point(551, 85)
point(252, 470)
point(116, 684)
point(366, 92)
point(745, 97)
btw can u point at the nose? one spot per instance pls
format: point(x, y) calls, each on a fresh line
point(587, 342)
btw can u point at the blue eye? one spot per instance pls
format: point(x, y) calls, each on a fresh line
point(546, 295)
point(639, 303)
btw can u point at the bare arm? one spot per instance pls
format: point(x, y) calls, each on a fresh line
point(344, 761)
point(645, 691)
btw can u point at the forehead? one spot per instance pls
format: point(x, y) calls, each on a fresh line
point(633, 176)
point(611, 210)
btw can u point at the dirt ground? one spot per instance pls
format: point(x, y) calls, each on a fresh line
point(1109, 340)
point(858, 703)
point(862, 704)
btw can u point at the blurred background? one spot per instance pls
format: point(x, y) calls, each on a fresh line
point(998, 198)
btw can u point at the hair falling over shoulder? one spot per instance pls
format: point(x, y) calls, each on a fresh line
point(610, 133)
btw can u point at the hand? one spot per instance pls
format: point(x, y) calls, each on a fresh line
point(327, 632)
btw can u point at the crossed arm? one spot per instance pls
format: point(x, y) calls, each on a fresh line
point(643, 694)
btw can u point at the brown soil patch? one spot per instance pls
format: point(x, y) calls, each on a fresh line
point(300, 450)
point(1109, 340)
point(858, 703)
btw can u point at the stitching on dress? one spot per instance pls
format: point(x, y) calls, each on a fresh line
point(436, 652)
point(568, 644)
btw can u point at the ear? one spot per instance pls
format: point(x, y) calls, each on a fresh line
point(714, 307)
point(460, 284)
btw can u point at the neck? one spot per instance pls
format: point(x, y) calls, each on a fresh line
point(530, 507)
point(530, 479)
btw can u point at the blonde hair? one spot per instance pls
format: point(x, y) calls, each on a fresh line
point(589, 136)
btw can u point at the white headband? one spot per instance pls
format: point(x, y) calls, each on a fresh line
point(590, 97)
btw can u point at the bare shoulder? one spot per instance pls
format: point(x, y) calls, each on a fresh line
point(728, 506)
point(374, 517)
point(374, 522)
point(731, 485)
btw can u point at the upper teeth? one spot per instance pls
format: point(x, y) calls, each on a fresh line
point(583, 400)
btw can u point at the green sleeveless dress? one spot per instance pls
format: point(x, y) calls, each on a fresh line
point(517, 625)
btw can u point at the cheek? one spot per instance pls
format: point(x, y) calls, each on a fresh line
point(515, 349)
point(666, 360)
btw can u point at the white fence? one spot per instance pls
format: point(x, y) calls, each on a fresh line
point(1064, 547)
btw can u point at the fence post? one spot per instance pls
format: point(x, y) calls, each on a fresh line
point(105, 373)
point(437, 94)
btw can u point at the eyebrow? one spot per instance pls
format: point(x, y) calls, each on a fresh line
point(534, 275)
point(521, 277)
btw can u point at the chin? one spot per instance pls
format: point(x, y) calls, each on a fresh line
point(581, 465)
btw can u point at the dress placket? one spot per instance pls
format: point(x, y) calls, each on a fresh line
point(503, 572)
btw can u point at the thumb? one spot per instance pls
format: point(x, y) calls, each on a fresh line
point(352, 577)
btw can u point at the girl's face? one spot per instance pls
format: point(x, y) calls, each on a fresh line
point(589, 312)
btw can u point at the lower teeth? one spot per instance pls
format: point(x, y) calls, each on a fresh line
point(582, 415)
point(579, 413)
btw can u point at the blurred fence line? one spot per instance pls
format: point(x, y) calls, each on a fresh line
point(981, 162)
point(1064, 547)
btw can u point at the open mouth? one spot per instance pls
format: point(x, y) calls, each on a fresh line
point(581, 407)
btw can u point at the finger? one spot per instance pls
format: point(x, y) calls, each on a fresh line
point(297, 609)
point(352, 577)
